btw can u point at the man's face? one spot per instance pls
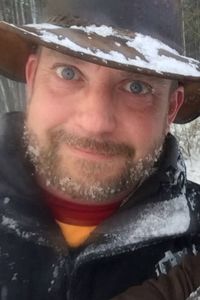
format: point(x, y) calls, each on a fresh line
point(94, 133)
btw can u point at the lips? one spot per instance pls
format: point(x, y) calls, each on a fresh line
point(88, 153)
point(94, 153)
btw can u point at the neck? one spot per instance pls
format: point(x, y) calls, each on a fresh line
point(66, 211)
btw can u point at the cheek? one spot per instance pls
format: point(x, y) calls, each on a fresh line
point(143, 129)
point(47, 110)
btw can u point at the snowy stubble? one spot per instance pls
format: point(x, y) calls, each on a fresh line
point(95, 183)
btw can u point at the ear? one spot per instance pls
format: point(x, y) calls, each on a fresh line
point(175, 102)
point(30, 71)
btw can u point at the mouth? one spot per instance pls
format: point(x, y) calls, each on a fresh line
point(90, 154)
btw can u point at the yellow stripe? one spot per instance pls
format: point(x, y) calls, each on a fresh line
point(75, 235)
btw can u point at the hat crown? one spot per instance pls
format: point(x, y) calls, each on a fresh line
point(158, 18)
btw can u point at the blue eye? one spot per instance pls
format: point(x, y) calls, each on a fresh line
point(67, 73)
point(138, 88)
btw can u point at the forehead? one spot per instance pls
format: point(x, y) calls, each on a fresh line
point(53, 56)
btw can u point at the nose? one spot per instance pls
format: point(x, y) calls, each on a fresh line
point(96, 111)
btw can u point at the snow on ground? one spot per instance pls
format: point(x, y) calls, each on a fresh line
point(193, 169)
point(189, 143)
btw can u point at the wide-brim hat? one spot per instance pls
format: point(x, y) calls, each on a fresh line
point(123, 34)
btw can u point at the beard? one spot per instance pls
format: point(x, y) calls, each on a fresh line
point(89, 181)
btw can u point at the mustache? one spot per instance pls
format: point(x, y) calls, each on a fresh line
point(103, 147)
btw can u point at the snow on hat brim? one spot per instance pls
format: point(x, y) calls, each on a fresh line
point(105, 46)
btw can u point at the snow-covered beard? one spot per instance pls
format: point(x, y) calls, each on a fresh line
point(51, 167)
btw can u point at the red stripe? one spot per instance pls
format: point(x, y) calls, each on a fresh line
point(79, 214)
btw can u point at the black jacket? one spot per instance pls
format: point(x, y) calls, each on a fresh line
point(149, 234)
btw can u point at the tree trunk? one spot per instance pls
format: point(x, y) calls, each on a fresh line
point(12, 94)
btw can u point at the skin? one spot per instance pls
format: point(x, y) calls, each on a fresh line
point(97, 104)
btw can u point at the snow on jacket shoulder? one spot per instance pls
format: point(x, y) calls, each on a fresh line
point(195, 295)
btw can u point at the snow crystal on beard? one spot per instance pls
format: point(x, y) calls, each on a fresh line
point(46, 162)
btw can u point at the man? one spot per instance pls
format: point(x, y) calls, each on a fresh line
point(95, 197)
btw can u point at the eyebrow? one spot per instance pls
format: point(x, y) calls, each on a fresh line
point(65, 57)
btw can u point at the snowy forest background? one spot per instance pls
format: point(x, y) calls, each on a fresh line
point(12, 94)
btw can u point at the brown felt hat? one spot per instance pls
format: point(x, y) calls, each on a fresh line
point(140, 36)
